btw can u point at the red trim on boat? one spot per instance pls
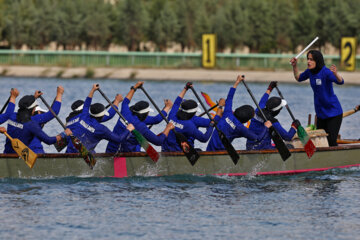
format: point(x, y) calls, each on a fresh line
point(287, 172)
point(120, 170)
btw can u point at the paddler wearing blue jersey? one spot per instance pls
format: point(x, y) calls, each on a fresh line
point(11, 106)
point(138, 115)
point(232, 124)
point(271, 108)
point(327, 106)
point(42, 116)
point(25, 126)
point(87, 127)
point(181, 116)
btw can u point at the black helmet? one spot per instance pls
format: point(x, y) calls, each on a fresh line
point(244, 113)
point(28, 102)
point(98, 110)
point(274, 105)
point(188, 109)
point(141, 109)
point(77, 105)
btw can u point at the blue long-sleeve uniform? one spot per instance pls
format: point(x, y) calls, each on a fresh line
point(231, 127)
point(9, 111)
point(90, 131)
point(25, 132)
point(43, 118)
point(257, 126)
point(186, 127)
point(326, 102)
point(131, 144)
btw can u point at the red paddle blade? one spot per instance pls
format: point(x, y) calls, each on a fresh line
point(310, 148)
point(153, 154)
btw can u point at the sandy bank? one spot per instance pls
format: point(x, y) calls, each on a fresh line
point(160, 74)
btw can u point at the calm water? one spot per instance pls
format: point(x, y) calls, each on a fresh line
point(308, 206)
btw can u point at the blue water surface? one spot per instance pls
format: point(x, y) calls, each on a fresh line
point(307, 206)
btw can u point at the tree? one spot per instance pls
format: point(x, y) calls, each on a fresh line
point(337, 23)
point(261, 34)
point(45, 22)
point(132, 23)
point(304, 21)
point(70, 22)
point(96, 30)
point(230, 25)
point(166, 27)
point(281, 14)
point(185, 14)
point(202, 24)
point(20, 23)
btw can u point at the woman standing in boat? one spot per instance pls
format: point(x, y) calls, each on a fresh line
point(327, 106)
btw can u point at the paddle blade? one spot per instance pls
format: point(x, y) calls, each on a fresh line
point(189, 151)
point(60, 145)
point(153, 154)
point(306, 141)
point(208, 100)
point(279, 143)
point(85, 154)
point(310, 148)
point(229, 147)
point(24, 152)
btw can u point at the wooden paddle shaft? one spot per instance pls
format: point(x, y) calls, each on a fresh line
point(287, 106)
point(203, 106)
point(52, 111)
point(5, 105)
point(202, 114)
point(112, 105)
point(254, 100)
point(8, 136)
point(154, 104)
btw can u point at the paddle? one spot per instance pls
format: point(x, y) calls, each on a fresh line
point(189, 151)
point(303, 136)
point(225, 141)
point(23, 151)
point(5, 105)
point(208, 100)
point(275, 136)
point(85, 154)
point(153, 154)
point(215, 106)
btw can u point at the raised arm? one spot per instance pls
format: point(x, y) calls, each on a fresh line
point(133, 89)
point(339, 79)
point(293, 62)
point(118, 99)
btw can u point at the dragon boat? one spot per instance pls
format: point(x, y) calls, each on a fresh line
point(255, 162)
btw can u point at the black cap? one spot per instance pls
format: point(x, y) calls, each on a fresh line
point(77, 105)
point(244, 113)
point(98, 110)
point(275, 103)
point(28, 102)
point(187, 110)
point(141, 107)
